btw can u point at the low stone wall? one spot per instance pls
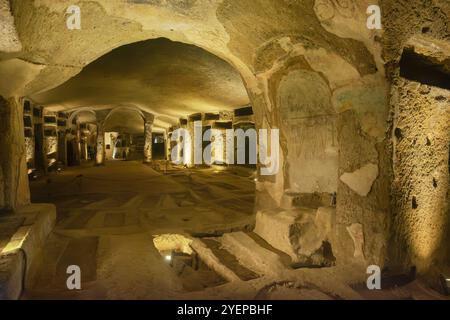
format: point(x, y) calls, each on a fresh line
point(22, 251)
point(11, 275)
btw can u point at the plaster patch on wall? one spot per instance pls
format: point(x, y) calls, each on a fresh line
point(361, 180)
point(369, 100)
point(357, 234)
point(286, 44)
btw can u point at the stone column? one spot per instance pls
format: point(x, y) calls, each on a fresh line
point(166, 145)
point(101, 152)
point(83, 144)
point(195, 129)
point(40, 156)
point(14, 189)
point(148, 127)
point(77, 146)
point(62, 147)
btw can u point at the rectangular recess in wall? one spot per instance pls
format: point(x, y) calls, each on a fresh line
point(27, 123)
point(183, 122)
point(242, 112)
point(28, 133)
point(212, 116)
point(37, 112)
point(195, 117)
point(27, 107)
point(50, 119)
point(62, 123)
point(223, 125)
point(50, 133)
point(423, 69)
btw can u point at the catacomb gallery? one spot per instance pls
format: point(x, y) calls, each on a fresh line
point(224, 150)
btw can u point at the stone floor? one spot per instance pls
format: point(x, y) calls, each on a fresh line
point(109, 218)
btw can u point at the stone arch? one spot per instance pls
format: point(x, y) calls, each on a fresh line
point(124, 108)
point(74, 114)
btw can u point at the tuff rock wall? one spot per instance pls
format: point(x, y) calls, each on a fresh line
point(418, 32)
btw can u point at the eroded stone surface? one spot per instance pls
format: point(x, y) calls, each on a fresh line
point(9, 41)
point(302, 234)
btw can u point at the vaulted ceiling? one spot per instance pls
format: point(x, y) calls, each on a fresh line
point(169, 79)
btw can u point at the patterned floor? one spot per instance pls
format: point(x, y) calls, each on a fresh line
point(103, 211)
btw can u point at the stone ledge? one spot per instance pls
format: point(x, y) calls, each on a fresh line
point(28, 240)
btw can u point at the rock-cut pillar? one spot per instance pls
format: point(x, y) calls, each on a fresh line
point(101, 152)
point(14, 189)
point(148, 127)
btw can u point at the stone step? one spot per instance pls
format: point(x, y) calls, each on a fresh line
point(252, 255)
point(284, 257)
point(229, 260)
point(212, 261)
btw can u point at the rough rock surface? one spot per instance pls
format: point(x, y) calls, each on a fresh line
point(420, 133)
point(9, 41)
point(302, 234)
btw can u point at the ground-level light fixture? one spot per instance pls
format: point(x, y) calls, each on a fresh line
point(445, 283)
